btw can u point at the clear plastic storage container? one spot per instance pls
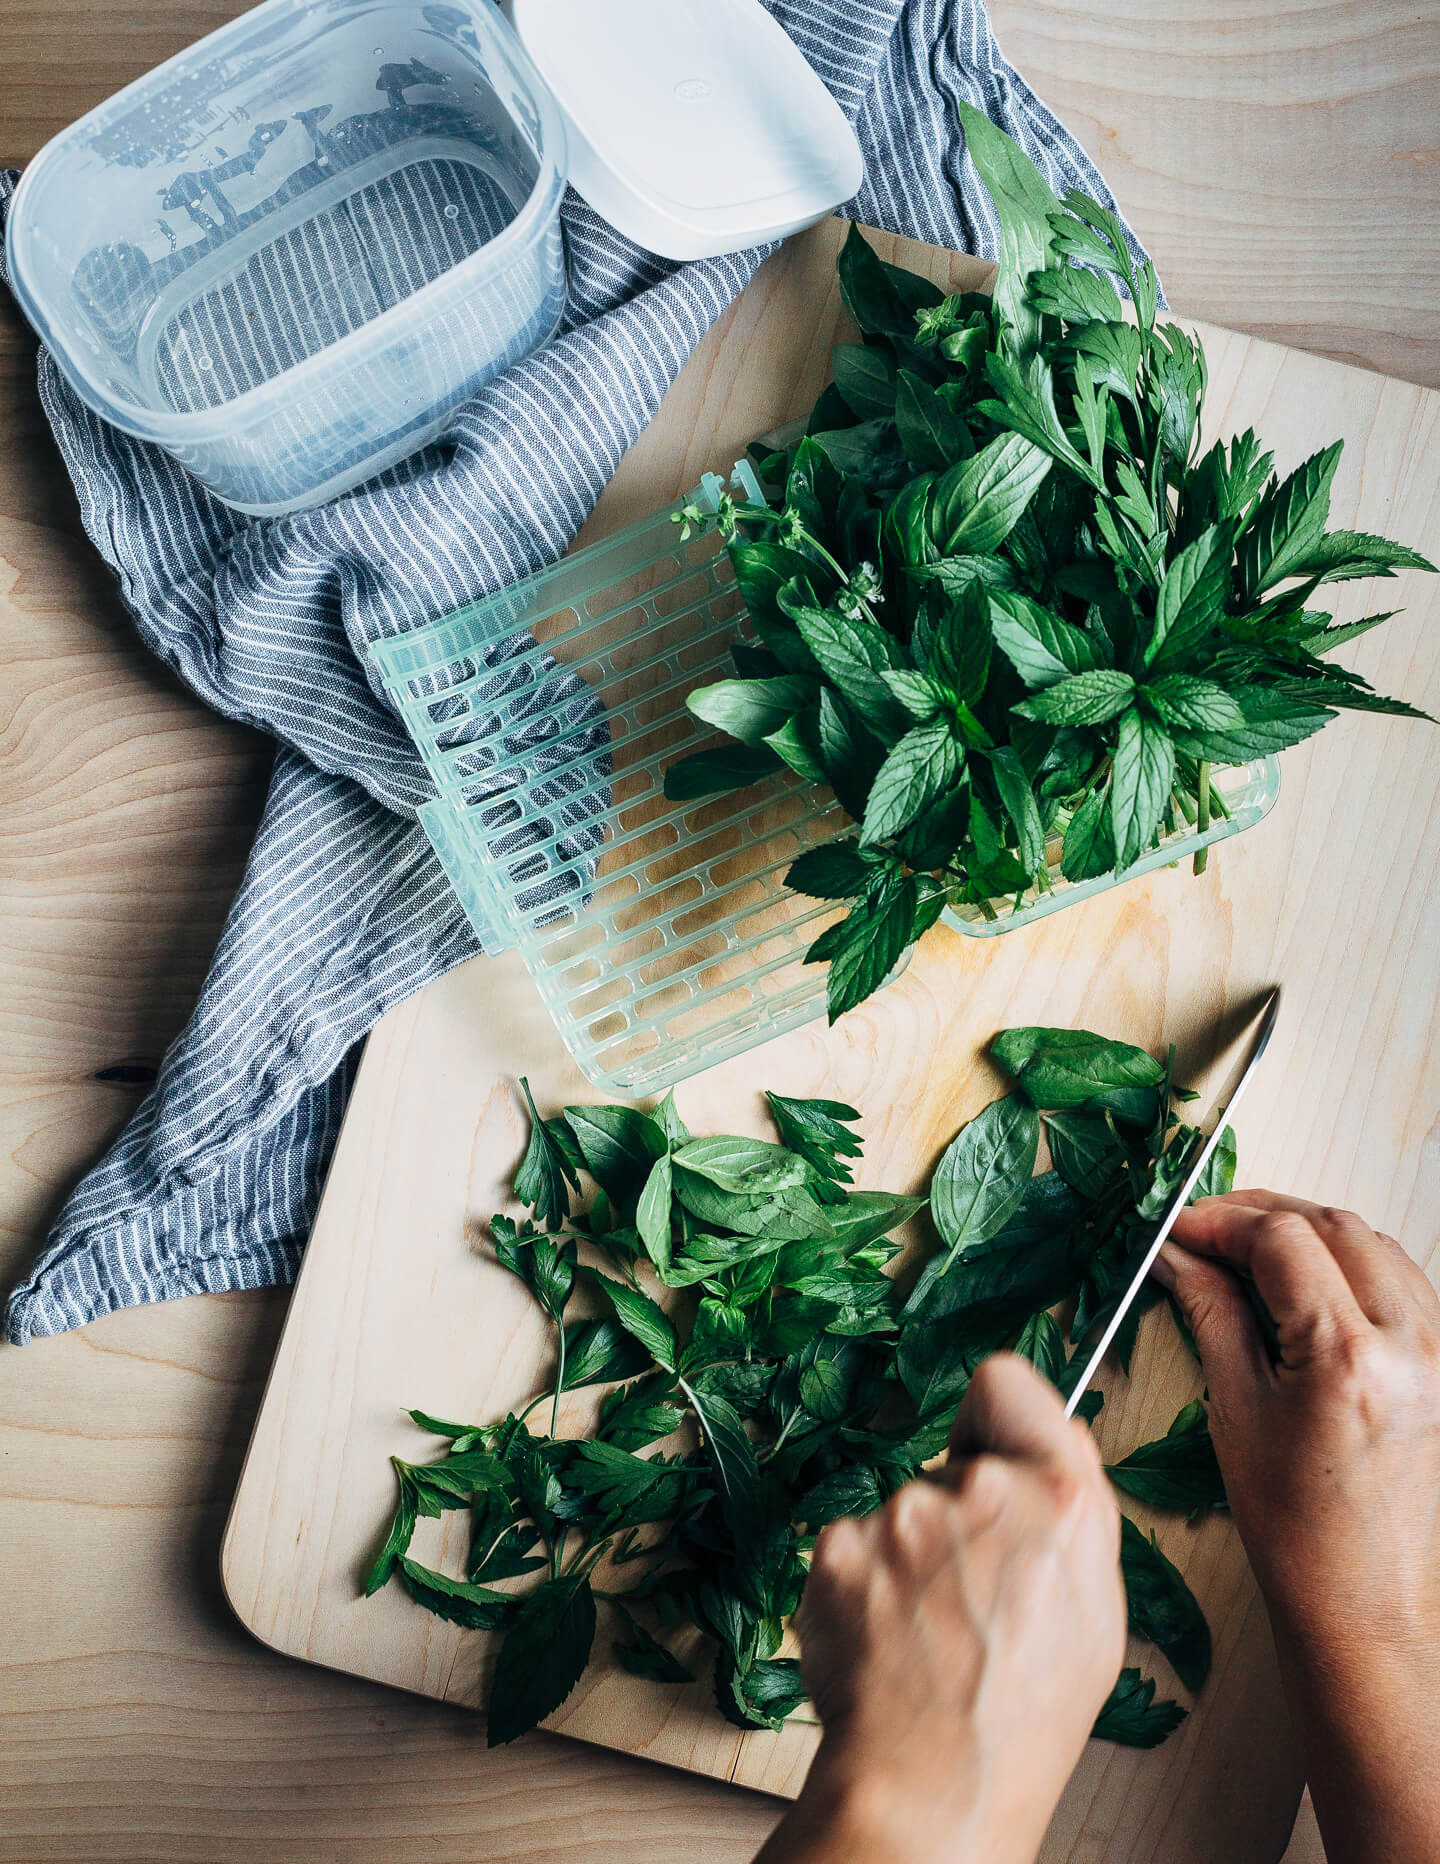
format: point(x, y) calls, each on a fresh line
point(660, 935)
point(286, 254)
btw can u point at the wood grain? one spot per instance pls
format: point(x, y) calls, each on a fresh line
point(143, 1724)
point(1279, 161)
point(399, 1304)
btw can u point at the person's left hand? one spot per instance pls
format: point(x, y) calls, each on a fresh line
point(959, 1643)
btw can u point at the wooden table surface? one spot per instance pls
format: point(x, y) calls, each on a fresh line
point(1277, 160)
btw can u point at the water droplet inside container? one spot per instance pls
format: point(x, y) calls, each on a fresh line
point(202, 361)
point(452, 212)
point(377, 51)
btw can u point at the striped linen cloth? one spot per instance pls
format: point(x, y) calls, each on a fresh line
point(343, 910)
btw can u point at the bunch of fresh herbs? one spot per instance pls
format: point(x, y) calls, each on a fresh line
point(1006, 607)
point(769, 1374)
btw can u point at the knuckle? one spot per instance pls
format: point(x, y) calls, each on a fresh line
point(1285, 1226)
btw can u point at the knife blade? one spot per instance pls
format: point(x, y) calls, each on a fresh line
point(1224, 1106)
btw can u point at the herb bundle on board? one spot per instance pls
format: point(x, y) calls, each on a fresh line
point(769, 1372)
point(1006, 607)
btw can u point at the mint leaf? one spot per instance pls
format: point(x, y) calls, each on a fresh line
point(726, 767)
point(1140, 782)
point(1083, 699)
point(1288, 524)
point(978, 503)
point(923, 766)
point(542, 1658)
point(1042, 647)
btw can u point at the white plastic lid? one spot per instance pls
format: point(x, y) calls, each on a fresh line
point(696, 127)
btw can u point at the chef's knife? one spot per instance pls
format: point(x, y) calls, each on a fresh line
point(1224, 1107)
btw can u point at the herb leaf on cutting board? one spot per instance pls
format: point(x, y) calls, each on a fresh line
point(1010, 608)
point(772, 1367)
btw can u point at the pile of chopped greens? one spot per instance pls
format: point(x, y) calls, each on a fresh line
point(769, 1374)
point(1006, 609)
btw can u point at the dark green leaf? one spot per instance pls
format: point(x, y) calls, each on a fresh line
point(1018, 798)
point(726, 767)
point(1162, 1607)
point(836, 871)
point(643, 1318)
point(1177, 1470)
point(1141, 779)
point(1089, 845)
point(1133, 1718)
point(933, 435)
point(646, 1657)
point(1341, 556)
point(619, 1146)
point(751, 710)
point(1058, 1069)
point(865, 376)
point(1083, 699)
point(652, 1213)
point(869, 943)
point(1086, 1152)
point(546, 1169)
point(883, 299)
point(1042, 1342)
point(402, 1527)
point(1191, 704)
point(978, 503)
point(542, 1658)
point(1042, 648)
point(1191, 601)
point(1023, 203)
point(851, 1490)
point(923, 766)
point(1288, 523)
point(475, 1607)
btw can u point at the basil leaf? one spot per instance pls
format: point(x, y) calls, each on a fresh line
point(619, 1146)
point(865, 1216)
point(652, 1213)
point(752, 710)
point(933, 435)
point(748, 1167)
point(1042, 1342)
point(982, 1176)
point(883, 299)
point(1059, 1069)
point(796, 743)
point(726, 767)
point(977, 503)
point(643, 1318)
point(542, 1658)
point(1178, 1470)
point(1086, 1152)
point(1162, 1607)
point(1133, 1718)
point(865, 376)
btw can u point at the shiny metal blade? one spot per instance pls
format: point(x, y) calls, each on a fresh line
point(1223, 1108)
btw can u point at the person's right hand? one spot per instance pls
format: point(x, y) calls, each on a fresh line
point(1331, 1460)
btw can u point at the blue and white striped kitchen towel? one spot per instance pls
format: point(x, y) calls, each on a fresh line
point(343, 910)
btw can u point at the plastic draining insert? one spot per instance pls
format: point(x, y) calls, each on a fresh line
point(660, 935)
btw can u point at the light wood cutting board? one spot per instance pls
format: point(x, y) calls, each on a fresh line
point(1335, 895)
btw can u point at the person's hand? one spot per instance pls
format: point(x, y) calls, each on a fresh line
point(1331, 1460)
point(959, 1643)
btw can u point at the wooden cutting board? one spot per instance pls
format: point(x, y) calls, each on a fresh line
point(1335, 895)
